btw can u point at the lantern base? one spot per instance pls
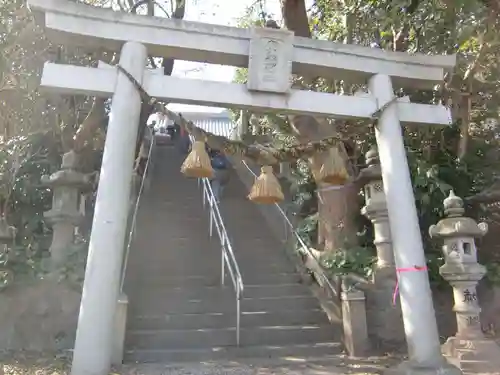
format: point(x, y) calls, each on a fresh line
point(475, 355)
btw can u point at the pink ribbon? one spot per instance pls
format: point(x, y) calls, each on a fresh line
point(406, 269)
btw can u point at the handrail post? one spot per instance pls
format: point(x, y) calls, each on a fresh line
point(285, 227)
point(211, 214)
point(238, 315)
point(223, 263)
point(203, 192)
point(228, 260)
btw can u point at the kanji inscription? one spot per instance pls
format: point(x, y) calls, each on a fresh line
point(270, 61)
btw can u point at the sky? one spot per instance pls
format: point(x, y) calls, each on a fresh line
point(220, 12)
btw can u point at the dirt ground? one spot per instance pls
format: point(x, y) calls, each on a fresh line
point(24, 364)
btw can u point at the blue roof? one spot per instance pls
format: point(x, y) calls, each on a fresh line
point(216, 123)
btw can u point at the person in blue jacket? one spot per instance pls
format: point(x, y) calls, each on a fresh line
point(220, 165)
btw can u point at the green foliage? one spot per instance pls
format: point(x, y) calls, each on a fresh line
point(307, 229)
point(354, 260)
point(23, 161)
point(34, 132)
point(434, 261)
point(493, 273)
point(241, 75)
point(303, 188)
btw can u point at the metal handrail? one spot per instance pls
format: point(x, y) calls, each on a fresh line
point(289, 226)
point(228, 260)
point(136, 210)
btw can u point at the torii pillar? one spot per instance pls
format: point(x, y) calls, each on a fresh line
point(417, 308)
point(94, 335)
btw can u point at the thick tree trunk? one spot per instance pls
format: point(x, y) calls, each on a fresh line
point(295, 17)
point(336, 208)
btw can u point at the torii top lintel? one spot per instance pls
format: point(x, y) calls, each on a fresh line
point(72, 23)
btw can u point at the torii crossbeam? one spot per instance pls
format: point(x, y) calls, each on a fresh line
point(101, 81)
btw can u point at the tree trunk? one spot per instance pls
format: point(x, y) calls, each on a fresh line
point(336, 208)
point(90, 125)
point(465, 113)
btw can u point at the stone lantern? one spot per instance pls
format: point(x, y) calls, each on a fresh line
point(468, 349)
point(65, 215)
point(375, 210)
point(384, 316)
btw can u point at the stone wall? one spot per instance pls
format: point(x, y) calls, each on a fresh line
point(38, 316)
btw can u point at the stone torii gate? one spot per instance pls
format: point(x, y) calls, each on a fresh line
point(271, 57)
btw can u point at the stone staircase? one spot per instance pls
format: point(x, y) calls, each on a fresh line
point(178, 311)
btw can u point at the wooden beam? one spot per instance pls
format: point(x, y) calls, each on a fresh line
point(69, 22)
point(101, 82)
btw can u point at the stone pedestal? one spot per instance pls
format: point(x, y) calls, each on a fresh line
point(120, 330)
point(469, 349)
point(354, 322)
point(65, 214)
point(385, 323)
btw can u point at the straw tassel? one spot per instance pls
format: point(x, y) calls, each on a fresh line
point(333, 170)
point(197, 163)
point(266, 188)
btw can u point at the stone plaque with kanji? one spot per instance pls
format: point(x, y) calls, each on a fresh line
point(270, 60)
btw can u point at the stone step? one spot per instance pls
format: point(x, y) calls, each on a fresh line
point(251, 291)
point(181, 245)
point(161, 259)
point(145, 279)
point(208, 266)
point(178, 311)
point(150, 304)
point(225, 320)
point(166, 213)
point(207, 338)
point(299, 352)
point(164, 216)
